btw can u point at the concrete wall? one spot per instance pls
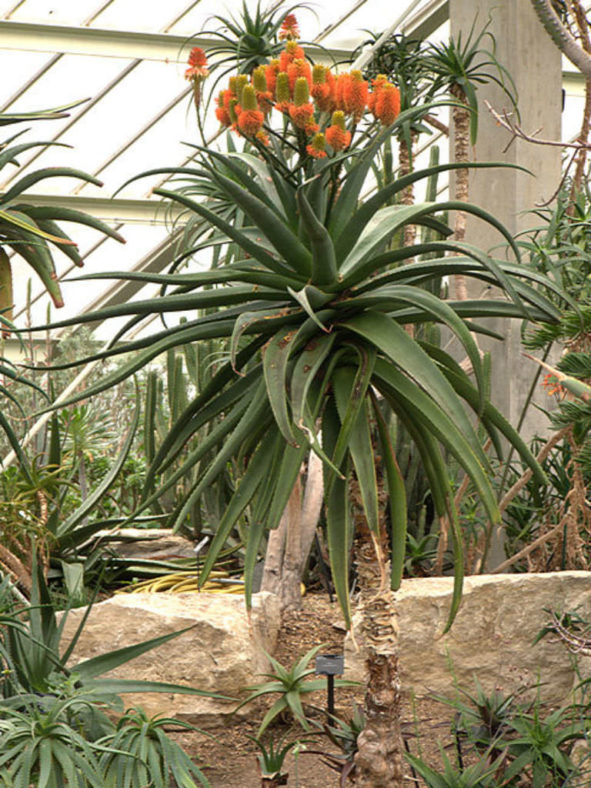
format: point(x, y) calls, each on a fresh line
point(533, 61)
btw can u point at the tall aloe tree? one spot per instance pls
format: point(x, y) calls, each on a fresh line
point(312, 302)
point(459, 66)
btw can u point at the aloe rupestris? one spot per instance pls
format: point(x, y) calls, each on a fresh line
point(312, 302)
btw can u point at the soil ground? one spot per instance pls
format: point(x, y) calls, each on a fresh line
point(229, 760)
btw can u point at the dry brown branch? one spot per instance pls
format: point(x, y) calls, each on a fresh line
point(577, 644)
point(526, 550)
point(14, 567)
point(504, 119)
point(523, 480)
point(437, 124)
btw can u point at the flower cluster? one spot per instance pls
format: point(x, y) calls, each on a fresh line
point(552, 385)
point(197, 65)
point(322, 108)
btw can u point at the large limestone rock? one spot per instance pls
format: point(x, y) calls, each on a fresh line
point(147, 543)
point(492, 637)
point(222, 653)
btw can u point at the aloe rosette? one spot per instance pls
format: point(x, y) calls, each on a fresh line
point(313, 308)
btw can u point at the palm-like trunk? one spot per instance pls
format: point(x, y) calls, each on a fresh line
point(461, 126)
point(379, 761)
point(405, 167)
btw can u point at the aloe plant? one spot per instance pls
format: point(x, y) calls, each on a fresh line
point(312, 303)
point(32, 233)
point(292, 685)
point(139, 753)
point(28, 229)
point(35, 657)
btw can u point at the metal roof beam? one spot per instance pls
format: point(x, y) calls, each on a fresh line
point(110, 209)
point(164, 47)
point(427, 20)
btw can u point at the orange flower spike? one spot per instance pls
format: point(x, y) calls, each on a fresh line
point(299, 68)
point(289, 28)
point(316, 148)
point(321, 89)
point(271, 71)
point(241, 82)
point(264, 96)
point(301, 111)
point(291, 52)
point(250, 119)
point(341, 89)
point(259, 79)
point(301, 92)
point(387, 104)
point(221, 111)
point(355, 95)
point(233, 108)
point(376, 83)
point(303, 117)
point(282, 92)
point(197, 65)
point(336, 134)
point(197, 72)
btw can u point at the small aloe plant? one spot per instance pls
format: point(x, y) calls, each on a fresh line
point(140, 753)
point(291, 685)
point(479, 775)
point(271, 761)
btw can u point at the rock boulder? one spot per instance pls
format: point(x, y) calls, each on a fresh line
point(492, 638)
point(222, 653)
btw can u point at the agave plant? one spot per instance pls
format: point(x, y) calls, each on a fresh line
point(40, 747)
point(313, 300)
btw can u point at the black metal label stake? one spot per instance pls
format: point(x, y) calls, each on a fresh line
point(330, 665)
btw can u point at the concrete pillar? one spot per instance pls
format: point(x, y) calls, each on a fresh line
point(526, 51)
point(523, 47)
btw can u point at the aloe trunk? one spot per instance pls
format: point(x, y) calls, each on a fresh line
point(405, 153)
point(289, 544)
point(461, 126)
point(379, 761)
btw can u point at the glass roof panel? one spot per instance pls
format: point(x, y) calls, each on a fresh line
point(16, 69)
point(141, 16)
point(161, 146)
point(58, 12)
point(200, 18)
point(56, 86)
point(371, 15)
point(124, 111)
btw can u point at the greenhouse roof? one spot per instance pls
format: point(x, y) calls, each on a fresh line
point(127, 59)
